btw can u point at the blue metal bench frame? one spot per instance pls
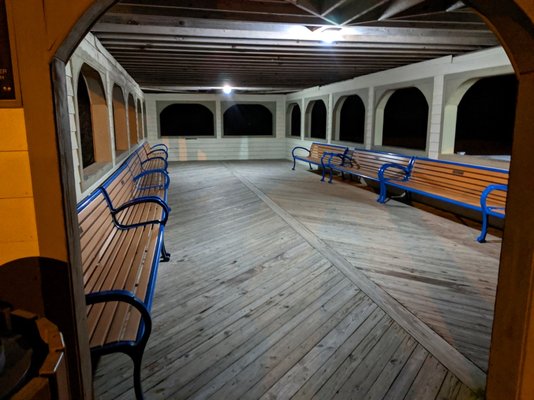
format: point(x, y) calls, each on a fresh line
point(296, 157)
point(346, 158)
point(134, 349)
point(483, 208)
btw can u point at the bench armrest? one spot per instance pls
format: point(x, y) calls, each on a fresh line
point(299, 148)
point(382, 179)
point(487, 210)
point(126, 297)
point(345, 159)
point(141, 200)
point(150, 172)
point(385, 167)
point(163, 145)
point(149, 159)
point(487, 192)
point(132, 203)
point(162, 153)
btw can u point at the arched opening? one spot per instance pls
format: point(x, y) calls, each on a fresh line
point(187, 119)
point(450, 114)
point(350, 112)
point(93, 120)
point(85, 123)
point(132, 120)
point(119, 120)
point(406, 119)
point(317, 119)
point(294, 120)
point(248, 120)
point(485, 117)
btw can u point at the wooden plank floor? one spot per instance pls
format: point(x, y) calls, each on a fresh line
point(282, 287)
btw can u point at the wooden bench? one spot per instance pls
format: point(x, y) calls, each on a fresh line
point(364, 163)
point(474, 187)
point(121, 235)
point(316, 152)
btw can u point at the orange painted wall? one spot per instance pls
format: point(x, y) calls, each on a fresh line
point(18, 230)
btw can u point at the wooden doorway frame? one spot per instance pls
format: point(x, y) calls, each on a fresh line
point(512, 350)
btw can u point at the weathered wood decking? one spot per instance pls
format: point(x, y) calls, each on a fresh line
point(281, 286)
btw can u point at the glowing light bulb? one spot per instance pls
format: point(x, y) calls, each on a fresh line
point(227, 89)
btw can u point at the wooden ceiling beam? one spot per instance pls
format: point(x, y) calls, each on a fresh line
point(354, 35)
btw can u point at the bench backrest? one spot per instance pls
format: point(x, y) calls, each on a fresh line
point(318, 149)
point(370, 161)
point(94, 216)
point(464, 179)
point(95, 220)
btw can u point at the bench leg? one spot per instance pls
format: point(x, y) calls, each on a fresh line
point(165, 256)
point(484, 231)
point(383, 193)
point(311, 168)
point(137, 375)
point(136, 354)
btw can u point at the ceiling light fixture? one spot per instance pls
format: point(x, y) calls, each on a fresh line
point(329, 35)
point(227, 89)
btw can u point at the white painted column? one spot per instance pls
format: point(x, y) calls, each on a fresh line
point(218, 120)
point(302, 119)
point(152, 121)
point(111, 121)
point(369, 119)
point(436, 117)
point(280, 123)
point(329, 118)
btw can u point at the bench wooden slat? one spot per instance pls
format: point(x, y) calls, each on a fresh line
point(131, 250)
point(128, 282)
point(459, 196)
point(473, 171)
point(97, 318)
point(454, 176)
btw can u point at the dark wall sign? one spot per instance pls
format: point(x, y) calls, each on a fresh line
point(7, 76)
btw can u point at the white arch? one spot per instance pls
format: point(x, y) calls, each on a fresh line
point(289, 114)
point(450, 115)
point(379, 117)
